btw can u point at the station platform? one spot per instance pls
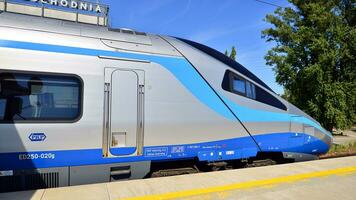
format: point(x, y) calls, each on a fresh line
point(320, 179)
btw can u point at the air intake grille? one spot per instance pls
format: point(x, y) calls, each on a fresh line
point(45, 180)
point(10, 183)
point(29, 181)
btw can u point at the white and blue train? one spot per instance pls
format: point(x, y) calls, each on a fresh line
point(82, 103)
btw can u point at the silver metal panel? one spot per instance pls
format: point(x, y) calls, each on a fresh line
point(310, 130)
point(258, 128)
point(89, 31)
point(325, 138)
point(89, 174)
point(124, 45)
point(162, 47)
point(101, 173)
point(50, 38)
point(157, 46)
point(36, 23)
point(294, 110)
point(296, 126)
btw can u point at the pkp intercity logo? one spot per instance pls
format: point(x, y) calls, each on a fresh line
point(37, 137)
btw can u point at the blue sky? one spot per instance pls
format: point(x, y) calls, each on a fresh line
point(217, 23)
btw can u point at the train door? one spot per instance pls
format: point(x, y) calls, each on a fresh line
point(123, 117)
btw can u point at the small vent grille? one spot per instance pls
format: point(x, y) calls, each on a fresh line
point(127, 31)
point(29, 182)
point(140, 33)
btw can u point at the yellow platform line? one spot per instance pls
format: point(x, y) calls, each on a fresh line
point(248, 184)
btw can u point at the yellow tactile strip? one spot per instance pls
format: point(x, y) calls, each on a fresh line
point(249, 184)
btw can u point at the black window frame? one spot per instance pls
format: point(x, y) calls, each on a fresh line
point(227, 84)
point(41, 121)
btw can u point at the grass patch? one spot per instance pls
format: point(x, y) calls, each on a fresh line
point(342, 147)
point(337, 150)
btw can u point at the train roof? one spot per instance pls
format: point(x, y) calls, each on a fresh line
point(123, 39)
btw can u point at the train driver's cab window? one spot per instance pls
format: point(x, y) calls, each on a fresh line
point(250, 90)
point(37, 97)
point(239, 85)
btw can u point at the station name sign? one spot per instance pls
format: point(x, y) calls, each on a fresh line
point(74, 4)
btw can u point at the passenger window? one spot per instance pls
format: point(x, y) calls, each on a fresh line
point(239, 85)
point(250, 90)
point(38, 97)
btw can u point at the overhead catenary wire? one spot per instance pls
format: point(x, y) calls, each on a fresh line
point(271, 4)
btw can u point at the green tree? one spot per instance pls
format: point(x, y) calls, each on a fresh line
point(232, 54)
point(226, 53)
point(314, 58)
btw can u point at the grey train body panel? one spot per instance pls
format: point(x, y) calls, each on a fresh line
point(145, 98)
point(213, 70)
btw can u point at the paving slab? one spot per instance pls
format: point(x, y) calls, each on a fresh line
point(321, 179)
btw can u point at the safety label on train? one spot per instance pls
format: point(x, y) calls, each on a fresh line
point(156, 151)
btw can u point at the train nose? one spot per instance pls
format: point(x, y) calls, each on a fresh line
point(328, 139)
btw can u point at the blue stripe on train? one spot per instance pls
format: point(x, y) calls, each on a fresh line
point(184, 72)
point(209, 151)
point(180, 67)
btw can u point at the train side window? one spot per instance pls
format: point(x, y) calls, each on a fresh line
point(34, 97)
point(250, 90)
point(238, 85)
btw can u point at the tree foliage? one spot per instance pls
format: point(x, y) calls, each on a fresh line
point(314, 58)
point(232, 54)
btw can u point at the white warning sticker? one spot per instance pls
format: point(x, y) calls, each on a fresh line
point(7, 173)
